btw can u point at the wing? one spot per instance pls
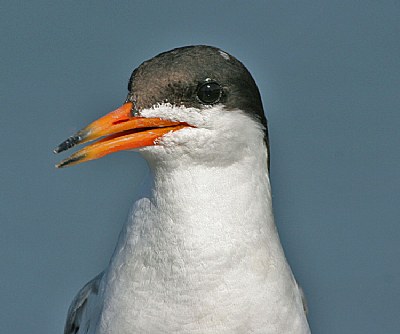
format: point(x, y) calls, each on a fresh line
point(304, 300)
point(78, 313)
point(302, 296)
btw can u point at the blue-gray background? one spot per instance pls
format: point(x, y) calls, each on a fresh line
point(329, 75)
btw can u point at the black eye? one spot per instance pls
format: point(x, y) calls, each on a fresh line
point(209, 92)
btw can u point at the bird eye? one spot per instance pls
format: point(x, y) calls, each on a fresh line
point(209, 92)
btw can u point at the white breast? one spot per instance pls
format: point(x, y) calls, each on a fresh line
point(203, 254)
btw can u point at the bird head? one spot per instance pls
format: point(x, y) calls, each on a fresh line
point(196, 102)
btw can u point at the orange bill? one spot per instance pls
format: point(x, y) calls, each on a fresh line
point(121, 131)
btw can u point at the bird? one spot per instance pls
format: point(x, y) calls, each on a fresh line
point(202, 253)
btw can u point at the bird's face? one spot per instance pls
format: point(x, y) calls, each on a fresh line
point(216, 136)
point(196, 103)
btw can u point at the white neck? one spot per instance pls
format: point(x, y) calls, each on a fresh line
point(203, 254)
point(215, 208)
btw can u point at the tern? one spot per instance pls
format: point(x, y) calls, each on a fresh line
point(202, 254)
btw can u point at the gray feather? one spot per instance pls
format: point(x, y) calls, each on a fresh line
point(78, 306)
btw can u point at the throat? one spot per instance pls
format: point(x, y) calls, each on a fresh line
point(211, 211)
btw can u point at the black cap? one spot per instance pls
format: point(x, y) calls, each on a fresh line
point(176, 77)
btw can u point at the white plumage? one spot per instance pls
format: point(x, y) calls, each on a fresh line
point(202, 255)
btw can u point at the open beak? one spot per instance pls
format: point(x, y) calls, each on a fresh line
point(121, 131)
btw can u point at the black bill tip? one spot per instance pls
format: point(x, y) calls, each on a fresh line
point(72, 160)
point(71, 142)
